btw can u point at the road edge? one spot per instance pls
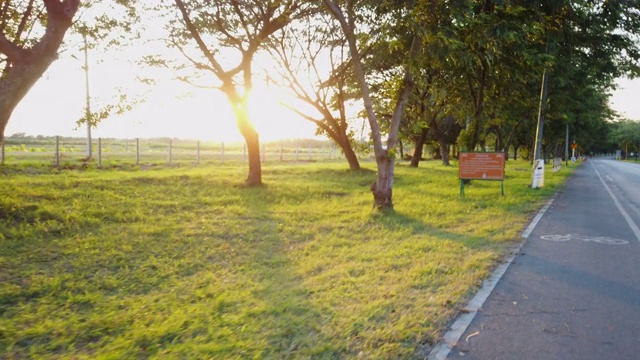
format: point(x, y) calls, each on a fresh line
point(462, 322)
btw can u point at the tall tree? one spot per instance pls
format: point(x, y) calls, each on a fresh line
point(215, 33)
point(346, 14)
point(315, 66)
point(31, 33)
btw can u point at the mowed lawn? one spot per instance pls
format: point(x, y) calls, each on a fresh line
point(185, 263)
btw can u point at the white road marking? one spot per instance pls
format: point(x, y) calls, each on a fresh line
point(597, 239)
point(624, 213)
point(451, 338)
point(534, 222)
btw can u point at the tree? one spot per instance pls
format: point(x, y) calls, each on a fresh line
point(626, 134)
point(315, 67)
point(30, 36)
point(384, 155)
point(210, 33)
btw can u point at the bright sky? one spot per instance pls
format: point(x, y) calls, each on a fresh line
point(173, 109)
point(626, 100)
point(57, 101)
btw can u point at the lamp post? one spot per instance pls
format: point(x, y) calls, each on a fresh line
point(537, 180)
point(88, 97)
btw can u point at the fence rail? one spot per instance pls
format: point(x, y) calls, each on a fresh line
point(142, 151)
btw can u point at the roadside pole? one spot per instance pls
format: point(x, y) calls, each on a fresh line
point(537, 180)
point(566, 147)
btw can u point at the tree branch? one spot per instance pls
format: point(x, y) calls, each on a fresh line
point(218, 70)
point(13, 52)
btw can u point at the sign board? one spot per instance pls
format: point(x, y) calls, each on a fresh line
point(574, 146)
point(481, 166)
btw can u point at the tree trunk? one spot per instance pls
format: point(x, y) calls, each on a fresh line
point(254, 178)
point(26, 65)
point(349, 154)
point(382, 187)
point(444, 150)
point(515, 151)
point(419, 146)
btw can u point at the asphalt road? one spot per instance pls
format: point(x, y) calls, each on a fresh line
point(574, 290)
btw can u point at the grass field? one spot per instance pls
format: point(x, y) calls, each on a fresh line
point(184, 263)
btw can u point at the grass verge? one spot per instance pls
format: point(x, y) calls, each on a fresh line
point(185, 263)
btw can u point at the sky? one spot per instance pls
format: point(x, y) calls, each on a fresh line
point(174, 109)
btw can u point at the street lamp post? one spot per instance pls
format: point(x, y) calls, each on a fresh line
point(88, 97)
point(537, 180)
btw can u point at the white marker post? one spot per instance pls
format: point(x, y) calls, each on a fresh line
point(538, 174)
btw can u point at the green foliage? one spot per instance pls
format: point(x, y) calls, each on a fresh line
point(182, 263)
point(626, 135)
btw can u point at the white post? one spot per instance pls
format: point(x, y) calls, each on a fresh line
point(170, 150)
point(99, 152)
point(88, 97)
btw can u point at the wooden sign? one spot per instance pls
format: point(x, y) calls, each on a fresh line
point(481, 166)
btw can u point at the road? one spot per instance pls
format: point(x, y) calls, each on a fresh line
point(573, 291)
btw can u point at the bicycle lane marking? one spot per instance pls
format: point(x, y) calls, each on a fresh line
point(597, 239)
point(624, 213)
point(442, 349)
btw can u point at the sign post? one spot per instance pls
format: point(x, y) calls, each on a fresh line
point(481, 166)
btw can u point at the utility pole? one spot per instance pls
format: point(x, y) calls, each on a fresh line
point(88, 96)
point(566, 147)
point(537, 180)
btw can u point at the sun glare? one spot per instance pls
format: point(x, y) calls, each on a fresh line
point(274, 121)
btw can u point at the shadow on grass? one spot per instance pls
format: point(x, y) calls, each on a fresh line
point(396, 221)
point(286, 325)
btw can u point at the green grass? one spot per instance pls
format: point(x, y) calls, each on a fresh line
point(186, 263)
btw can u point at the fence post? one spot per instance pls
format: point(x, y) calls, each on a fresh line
point(57, 152)
point(137, 151)
point(198, 153)
point(170, 150)
point(99, 152)
point(222, 153)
